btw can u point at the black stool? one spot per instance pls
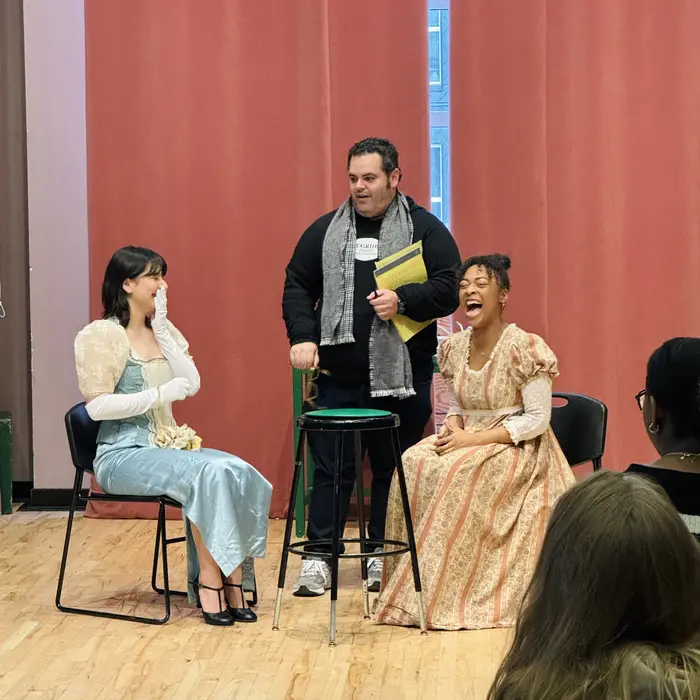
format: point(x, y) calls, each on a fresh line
point(341, 422)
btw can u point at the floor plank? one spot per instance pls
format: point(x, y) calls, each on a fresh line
point(49, 655)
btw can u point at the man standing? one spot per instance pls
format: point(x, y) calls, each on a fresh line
point(340, 323)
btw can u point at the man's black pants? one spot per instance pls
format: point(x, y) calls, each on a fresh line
point(414, 413)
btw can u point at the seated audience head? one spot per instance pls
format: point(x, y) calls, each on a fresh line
point(132, 279)
point(670, 402)
point(483, 288)
point(613, 607)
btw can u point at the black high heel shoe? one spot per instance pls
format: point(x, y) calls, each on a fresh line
point(223, 618)
point(240, 614)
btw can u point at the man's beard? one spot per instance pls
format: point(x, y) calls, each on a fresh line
point(381, 216)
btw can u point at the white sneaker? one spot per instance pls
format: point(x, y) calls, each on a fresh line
point(314, 578)
point(374, 572)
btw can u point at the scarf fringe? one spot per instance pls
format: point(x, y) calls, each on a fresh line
point(393, 393)
point(339, 340)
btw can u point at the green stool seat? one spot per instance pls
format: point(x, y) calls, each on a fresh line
point(348, 413)
point(347, 419)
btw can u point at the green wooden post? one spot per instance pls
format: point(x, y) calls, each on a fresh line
point(298, 407)
point(299, 380)
point(5, 463)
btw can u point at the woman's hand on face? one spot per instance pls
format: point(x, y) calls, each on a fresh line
point(450, 439)
point(159, 322)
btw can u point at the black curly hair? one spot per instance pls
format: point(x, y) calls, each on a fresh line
point(382, 147)
point(496, 264)
point(673, 379)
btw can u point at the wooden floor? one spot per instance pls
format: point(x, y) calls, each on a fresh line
point(49, 655)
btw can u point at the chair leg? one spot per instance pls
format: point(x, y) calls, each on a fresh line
point(335, 542)
point(361, 520)
point(597, 464)
point(254, 601)
point(156, 560)
point(164, 544)
point(298, 466)
point(77, 483)
point(61, 576)
point(409, 529)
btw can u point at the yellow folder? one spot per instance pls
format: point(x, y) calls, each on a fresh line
point(404, 267)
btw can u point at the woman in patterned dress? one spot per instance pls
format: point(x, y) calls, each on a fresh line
point(480, 492)
point(132, 365)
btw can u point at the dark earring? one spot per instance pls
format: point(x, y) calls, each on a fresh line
point(653, 428)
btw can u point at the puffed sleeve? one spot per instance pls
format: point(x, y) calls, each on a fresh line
point(445, 360)
point(531, 358)
point(448, 362)
point(101, 352)
point(534, 367)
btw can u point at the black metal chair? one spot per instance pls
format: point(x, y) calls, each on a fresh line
point(348, 423)
point(82, 440)
point(580, 426)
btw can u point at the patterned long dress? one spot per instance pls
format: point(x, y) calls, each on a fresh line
point(479, 513)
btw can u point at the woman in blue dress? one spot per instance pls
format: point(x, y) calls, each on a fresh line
point(132, 365)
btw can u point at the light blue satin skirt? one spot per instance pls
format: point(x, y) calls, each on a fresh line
point(226, 498)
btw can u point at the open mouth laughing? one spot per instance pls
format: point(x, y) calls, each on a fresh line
point(473, 308)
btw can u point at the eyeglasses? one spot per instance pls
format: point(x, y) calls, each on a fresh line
point(639, 398)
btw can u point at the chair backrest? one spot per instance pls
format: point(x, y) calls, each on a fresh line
point(82, 437)
point(580, 426)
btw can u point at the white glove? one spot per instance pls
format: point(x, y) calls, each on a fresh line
point(159, 322)
point(180, 364)
point(176, 389)
point(117, 406)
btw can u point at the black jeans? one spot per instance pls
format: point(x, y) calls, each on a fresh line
point(414, 413)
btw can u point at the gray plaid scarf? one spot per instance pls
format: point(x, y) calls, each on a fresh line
point(389, 363)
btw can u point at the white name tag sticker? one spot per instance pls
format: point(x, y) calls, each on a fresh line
point(366, 249)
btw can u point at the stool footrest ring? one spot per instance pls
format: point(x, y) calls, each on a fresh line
point(296, 548)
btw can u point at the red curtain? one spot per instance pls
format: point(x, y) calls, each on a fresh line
point(217, 131)
point(575, 134)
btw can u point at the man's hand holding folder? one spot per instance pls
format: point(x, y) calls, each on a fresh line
point(404, 267)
